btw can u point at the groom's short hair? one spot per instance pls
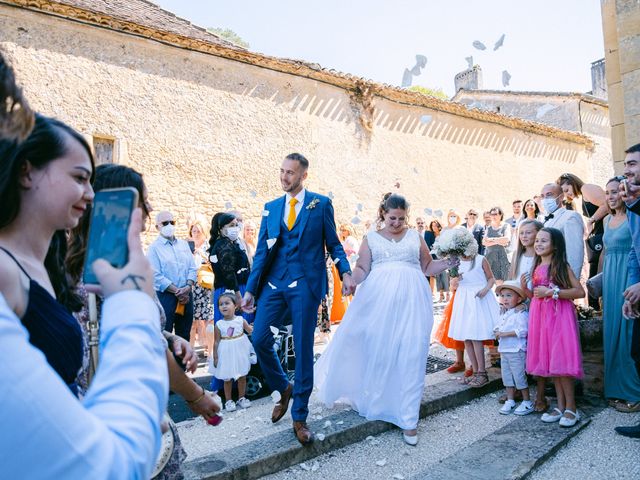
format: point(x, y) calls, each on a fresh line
point(298, 157)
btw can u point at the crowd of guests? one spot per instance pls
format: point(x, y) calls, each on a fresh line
point(154, 309)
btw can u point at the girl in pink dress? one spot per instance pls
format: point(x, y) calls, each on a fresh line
point(554, 343)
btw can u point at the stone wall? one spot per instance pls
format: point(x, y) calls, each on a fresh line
point(621, 29)
point(573, 112)
point(209, 133)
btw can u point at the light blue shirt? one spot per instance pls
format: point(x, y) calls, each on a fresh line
point(114, 433)
point(634, 253)
point(172, 263)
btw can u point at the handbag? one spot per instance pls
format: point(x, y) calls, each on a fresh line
point(594, 246)
point(205, 276)
point(594, 286)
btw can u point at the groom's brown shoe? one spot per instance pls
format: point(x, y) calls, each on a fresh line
point(281, 407)
point(303, 434)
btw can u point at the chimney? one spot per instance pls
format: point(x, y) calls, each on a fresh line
point(470, 79)
point(598, 80)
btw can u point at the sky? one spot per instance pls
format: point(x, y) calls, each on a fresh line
point(548, 46)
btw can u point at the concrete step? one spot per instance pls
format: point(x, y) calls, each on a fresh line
point(472, 441)
point(257, 448)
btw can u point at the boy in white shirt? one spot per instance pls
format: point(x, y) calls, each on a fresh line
point(511, 333)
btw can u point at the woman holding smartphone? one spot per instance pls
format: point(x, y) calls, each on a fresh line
point(45, 187)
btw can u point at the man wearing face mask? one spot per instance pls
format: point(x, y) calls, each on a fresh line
point(174, 274)
point(568, 222)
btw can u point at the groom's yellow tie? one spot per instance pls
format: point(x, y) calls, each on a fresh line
point(291, 219)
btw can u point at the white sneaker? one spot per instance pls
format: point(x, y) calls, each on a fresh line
point(552, 417)
point(244, 402)
point(570, 422)
point(230, 406)
point(525, 408)
point(508, 407)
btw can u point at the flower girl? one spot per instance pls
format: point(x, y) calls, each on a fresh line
point(475, 311)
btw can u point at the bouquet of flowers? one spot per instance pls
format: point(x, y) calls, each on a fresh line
point(453, 243)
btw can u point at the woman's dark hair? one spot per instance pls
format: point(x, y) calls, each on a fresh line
point(107, 176)
point(218, 222)
point(499, 210)
point(559, 268)
point(434, 222)
point(573, 180)
point(389, 202)
point(535, 205)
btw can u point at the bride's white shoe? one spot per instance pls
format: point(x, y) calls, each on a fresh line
point(410, 439)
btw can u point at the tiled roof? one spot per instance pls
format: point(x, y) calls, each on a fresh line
point(148, 14)
point(146, 19)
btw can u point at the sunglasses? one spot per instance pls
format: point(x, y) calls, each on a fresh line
point(168, 222)
point(472, 214)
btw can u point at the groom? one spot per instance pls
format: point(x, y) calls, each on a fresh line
point(289, 274)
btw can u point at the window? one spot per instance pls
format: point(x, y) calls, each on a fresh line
point(103, 149)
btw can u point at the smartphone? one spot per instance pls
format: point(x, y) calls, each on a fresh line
point(623, 182)
point(110, 217)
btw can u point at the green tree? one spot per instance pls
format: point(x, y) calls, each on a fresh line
point(433, 92)
point(230, 36)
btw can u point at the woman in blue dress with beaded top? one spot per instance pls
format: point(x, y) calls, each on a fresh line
point(45, 186)
point(621, 381)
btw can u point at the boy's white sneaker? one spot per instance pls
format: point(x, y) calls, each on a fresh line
point(508, 407)
point(525, 408)
point(244, 403)
point(230, 406)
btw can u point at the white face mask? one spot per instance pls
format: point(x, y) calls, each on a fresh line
point(168, 231)
point(550, 205)
point(453, 219)
point(232, 233)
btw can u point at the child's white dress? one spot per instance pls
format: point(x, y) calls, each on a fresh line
point(473, 318)
point(234, 349)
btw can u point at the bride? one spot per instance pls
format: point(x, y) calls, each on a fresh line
point(377, 359)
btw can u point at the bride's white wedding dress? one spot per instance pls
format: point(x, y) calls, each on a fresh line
point(376, 361)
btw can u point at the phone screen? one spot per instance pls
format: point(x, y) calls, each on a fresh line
point(110, 218)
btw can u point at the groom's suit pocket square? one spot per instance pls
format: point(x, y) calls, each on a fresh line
point(271, 242)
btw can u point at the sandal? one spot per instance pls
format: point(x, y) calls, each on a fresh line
point(541, 407)
point(627, 407)
point(467, 380)
point(480, 380)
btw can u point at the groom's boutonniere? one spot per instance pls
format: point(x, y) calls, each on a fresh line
point(313, 203)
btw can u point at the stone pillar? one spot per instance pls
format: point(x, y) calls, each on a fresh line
point(470, 79)
point(598, 80)
point(621, 29)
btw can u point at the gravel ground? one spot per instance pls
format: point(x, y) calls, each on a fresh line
point(597, 452)
point(387, 455)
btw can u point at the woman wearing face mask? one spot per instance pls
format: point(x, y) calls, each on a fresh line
point(453, 220)
point(229, 261)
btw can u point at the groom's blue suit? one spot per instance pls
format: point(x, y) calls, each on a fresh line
point(289, 273)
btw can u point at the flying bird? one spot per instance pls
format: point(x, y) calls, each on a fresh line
point(479, 45)
point(499, 43)
point(505, 78)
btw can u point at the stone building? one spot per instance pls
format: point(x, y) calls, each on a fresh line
point(576, 112)
point(208, 123)
point(621, 29)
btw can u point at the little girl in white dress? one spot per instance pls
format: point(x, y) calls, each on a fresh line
point(231, 359)
point(475, 313)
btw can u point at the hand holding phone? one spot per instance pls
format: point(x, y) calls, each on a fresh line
point(110, 219)
point(137, 274)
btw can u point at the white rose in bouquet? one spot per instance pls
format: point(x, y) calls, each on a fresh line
point(454, 243)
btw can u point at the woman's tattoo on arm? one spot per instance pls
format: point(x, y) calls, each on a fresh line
point(134, 279)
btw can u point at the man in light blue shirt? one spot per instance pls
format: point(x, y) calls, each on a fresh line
point(175, 274)
point(114, 432)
